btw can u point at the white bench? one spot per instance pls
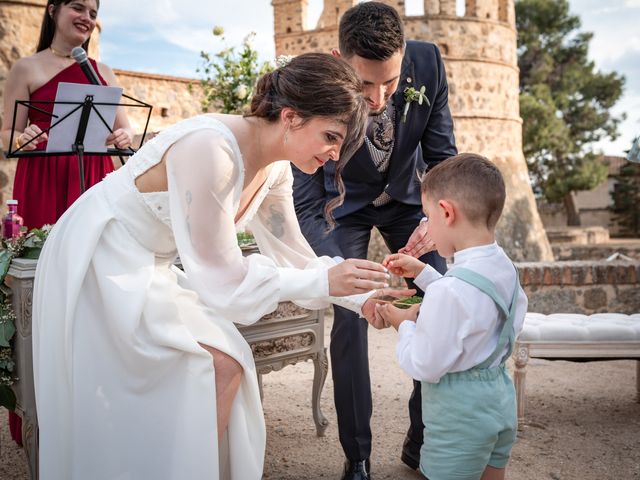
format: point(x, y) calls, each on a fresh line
point(567, 336)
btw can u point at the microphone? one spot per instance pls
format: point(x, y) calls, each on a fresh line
point(80, 56)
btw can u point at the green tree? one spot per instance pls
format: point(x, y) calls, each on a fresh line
point(564, 102)
point(626, 198)
point(230, 76)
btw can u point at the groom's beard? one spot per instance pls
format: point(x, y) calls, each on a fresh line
point(373, 113)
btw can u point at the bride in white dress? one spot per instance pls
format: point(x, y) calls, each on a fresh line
point(139, 370)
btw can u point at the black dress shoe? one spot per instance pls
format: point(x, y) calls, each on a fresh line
point(410, 454)
point(357, 470)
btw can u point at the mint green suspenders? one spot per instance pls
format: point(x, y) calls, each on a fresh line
point(485, 285)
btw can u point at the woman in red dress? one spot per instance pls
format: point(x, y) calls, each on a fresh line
point(46, 186)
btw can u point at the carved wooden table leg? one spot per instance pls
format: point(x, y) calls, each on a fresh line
point(521, 357)
point(320, 369)
point(20, 276)
point(30, 442)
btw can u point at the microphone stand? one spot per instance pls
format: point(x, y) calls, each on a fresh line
point(78, 148)
point(78, 145)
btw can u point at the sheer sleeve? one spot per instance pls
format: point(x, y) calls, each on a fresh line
point(277, 232)
point(205, 181)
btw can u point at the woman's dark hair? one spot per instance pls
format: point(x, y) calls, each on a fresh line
point(48, 27)
point(317, 85)
point(371, 30)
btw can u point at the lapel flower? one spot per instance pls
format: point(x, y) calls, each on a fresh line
point(413, 95)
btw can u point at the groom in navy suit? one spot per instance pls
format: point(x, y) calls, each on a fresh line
point(404, 136)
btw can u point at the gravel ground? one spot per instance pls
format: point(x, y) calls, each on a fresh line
point(583, 422)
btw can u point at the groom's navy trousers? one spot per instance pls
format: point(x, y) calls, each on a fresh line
point(422, 139)
point(349, 344)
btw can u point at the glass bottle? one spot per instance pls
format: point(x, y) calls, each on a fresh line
point(12, 222)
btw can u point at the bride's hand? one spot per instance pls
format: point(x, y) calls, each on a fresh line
point(355, 276)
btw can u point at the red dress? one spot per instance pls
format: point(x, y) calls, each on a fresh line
point(46, 186)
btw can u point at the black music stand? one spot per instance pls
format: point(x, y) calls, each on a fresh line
point(88, 107)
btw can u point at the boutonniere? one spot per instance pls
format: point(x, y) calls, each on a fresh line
point(413, 95)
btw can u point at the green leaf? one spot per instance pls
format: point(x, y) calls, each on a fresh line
point(7, 330)
point(7, 398)
point(32, 253)
point(5, 262)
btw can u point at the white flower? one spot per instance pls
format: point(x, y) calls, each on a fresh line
point(241, 91)
point(283, 60)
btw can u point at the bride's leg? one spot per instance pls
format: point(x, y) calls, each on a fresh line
point(228, 375)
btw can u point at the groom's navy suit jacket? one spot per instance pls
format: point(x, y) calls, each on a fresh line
point(423, 140)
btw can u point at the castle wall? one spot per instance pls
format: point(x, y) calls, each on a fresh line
point(172, 98)
point(479, 51)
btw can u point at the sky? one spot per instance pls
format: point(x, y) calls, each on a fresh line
point(167, 36)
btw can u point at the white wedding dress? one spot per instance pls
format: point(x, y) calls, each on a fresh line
point(124, 391)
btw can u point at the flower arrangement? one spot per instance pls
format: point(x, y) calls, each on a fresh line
point(245, 239)
point(230, 75)
point(28, 245)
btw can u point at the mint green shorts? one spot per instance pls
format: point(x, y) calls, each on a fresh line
point(470, 422)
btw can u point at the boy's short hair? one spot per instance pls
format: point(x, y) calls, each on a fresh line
point(371, 30)
point(473, 182)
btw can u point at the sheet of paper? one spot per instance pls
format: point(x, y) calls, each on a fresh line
point(63, 136)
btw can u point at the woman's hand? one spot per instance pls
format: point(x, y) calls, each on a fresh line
point(121, 138)
point(389, 315)
point(403, 265)
point(419, 242)
point(369, 307)
point(355, 276)
point(30, 132)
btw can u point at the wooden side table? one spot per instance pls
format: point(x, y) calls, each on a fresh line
point(284, 337)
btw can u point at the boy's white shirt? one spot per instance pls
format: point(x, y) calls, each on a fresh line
point(458, 325)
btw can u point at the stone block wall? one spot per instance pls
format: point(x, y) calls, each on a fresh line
point(628, 247)
point(582, 286)
point(173, 98)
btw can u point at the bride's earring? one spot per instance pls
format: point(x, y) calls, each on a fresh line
point(286, 134)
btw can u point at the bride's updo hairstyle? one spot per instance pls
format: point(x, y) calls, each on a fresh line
point(317, 85)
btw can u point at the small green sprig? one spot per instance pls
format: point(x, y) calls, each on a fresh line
point(413, 95)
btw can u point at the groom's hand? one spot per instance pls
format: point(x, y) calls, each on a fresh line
point(419, 242)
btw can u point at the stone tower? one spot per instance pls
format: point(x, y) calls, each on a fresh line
point(479, 50)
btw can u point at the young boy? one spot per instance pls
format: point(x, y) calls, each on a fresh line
point(457, 342)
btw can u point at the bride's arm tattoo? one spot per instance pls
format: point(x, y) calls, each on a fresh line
point(275, 221)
